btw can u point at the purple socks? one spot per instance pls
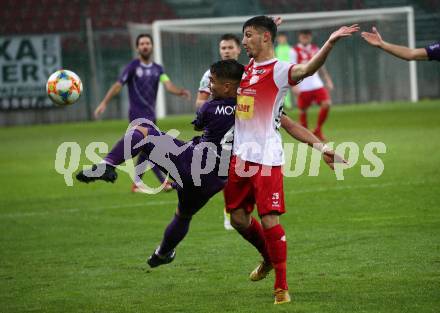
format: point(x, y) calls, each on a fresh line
point(139, 173)
point(174, 233)
point(116, 155)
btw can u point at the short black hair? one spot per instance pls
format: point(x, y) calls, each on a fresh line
point(138, 38)
point(305, 31)
point(228, 69)
point(230, 37)
point(262, 22)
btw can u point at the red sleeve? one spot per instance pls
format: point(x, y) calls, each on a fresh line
point(290, 80)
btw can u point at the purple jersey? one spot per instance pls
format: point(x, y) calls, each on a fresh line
point(216, 118)
point(143, 83)
point(433, 51)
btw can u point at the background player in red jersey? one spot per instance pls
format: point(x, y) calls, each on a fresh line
point(255, 176)
point(430, 52)
point(311, 90)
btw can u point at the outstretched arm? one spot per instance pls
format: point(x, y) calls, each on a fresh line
point(304, 135)
point(113, 91)
point(375, 39)
point(301, 71)
point(181, 92)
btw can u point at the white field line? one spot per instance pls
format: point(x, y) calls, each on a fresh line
point(152, 203)
point(73, 210)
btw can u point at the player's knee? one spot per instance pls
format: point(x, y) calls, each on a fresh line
point(270, 220)
point(239, 221)
point(143, 130)
point(183, 215)
point(326, 104)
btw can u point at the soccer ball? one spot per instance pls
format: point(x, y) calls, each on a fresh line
point(64, 87)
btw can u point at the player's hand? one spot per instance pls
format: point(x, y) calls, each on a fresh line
point(185, 94)
point(373, 38)
point(344, 31)
point(330, 157)
point(277, 20)
point(100, 109)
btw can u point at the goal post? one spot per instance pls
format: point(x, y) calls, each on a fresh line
point(187, 47)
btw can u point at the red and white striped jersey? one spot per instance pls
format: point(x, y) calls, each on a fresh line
point(301, 54)
point(258, 112)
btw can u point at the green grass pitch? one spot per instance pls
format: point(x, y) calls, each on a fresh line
point(358, 245)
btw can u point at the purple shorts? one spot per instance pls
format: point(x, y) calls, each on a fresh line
point(174, 156)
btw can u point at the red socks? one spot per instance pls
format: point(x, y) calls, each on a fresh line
point(277, 248)
point(303, 118)
point(271, 243)
point(323, 112)
point(255, 235)
point(322, 117)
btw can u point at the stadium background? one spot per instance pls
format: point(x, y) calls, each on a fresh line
point(362, 244)
point(113, 50)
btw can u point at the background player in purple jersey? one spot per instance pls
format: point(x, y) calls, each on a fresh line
point(142, 77)
point(430, 52)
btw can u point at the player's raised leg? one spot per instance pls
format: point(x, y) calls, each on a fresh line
point(140, 169)
point(106, 170)
point(191, 200)
point(173, 235)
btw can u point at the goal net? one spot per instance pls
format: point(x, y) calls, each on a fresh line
point(187, 47)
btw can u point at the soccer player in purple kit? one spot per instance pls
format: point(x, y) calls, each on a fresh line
point(216, 119)
point(430, 52)
point(142, 77)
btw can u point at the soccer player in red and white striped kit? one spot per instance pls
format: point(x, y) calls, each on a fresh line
point(255, 176)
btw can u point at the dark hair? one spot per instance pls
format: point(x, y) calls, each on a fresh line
point(230, 37)
point(282, 34)
point(138, 38)
point(227, 69)
point(305, 31)
point(262, 22)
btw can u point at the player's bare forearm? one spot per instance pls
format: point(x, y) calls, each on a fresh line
point(113, 91)
point(170, 87)
point(178, 91)
point(301, 71)
point(299, 132)
point(374, 38)
point(324, 73)
point(304, 135)
point(403, 52)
